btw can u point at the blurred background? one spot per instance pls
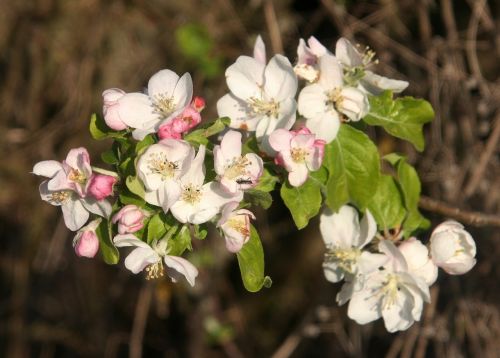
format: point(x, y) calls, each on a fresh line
point(56, 58)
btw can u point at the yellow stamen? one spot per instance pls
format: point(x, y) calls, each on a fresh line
point(159, 164)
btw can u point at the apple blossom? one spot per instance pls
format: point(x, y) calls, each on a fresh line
point(392, 293)
point(262, 97)
point(259, 50)
point(160, 167)
point(152, 258)
point(236, 172)
point(110, 108)
point(101, 186)
point(188, 119)
point(328, 102)
point(308, 56)
point(452, 248)
point(130, 219)
point(86, 242)
point(345, 237)
point(235, 225)
point(167, 96)
point(299, 152)
point(355, 66)
point(418, 260)
point(198, 202)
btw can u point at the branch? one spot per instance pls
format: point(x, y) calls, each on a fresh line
point(473, 218)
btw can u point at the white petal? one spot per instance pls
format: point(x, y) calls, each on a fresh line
point(298, 176)
point(312, 101)
point(180, 267)
point(280, 140)
point(238, 111)
point(376, 84)
point(367, 229)
point(339, 229)
point(369, 262)
point(331, 74)
point(162, 83)
point(333, 273)
point(259, 50)
point(136, 111)
point(139, 258)
point(397, 261)
point(245, 78)
point(75, 215)
point(364, 306)
point(398, 315)
point(99, 207)
point(47, 168)
point(280, 79)
point(231, 145)
point(172, 192)
point(347, 54)
point(325, 126)
point(183, 92)
point(129, 240)
point(345, 293)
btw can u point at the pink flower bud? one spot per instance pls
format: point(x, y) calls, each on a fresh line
point(86, 242)
point(198, 103)
point(110, 108)
point(167, 131)
point(130, 219)
point(101, 186)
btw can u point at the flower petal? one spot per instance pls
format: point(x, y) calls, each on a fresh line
point(245, 78)
point(75, 215)
point(280, 79)
point(312, 101)
point(47, 168)
point(339, 229)
point(139, 258)
point(367, 229)
point(129, 240)
point(180, 267)
point(259, 50)
point(325, 126)
point(162, 84)
point(136, 110)
point(331, 74)
point(99, 207)
point(347, 54)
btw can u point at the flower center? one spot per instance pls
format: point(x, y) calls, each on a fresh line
point(239, 224)
point(265, 108)
point(236, 168)
point(299, 154)
point(163, 105)
point(191, 194)
point(346, 259)
point(159, 164)
point(334, 98)
point(154, 270)
point(59, 197)
point(389, 291)
point(77, 176)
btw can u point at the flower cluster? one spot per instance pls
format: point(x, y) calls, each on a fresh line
point(174, 174)
point(389, 278)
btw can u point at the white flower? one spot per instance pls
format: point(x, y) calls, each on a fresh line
point(345, 237)
point(235, 225)
point(418, 260)
point(308, 56)
point(236, 172)
point(355, 66)
point(160, 167)
point(452, 248)
point(326, 102)
point(150, 258)
point(167, 95)
point(262, 97)
point(392, 293)
point(198, 202)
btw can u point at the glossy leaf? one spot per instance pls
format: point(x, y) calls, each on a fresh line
point(303, 202)
point(109, 252)
point(387, 204)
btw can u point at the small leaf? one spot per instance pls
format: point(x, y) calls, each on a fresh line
point(199, 232)
point(403, 117)
point(109, 157)
point(134, 184)
point(259, 198)
point(267, 182)
point(200, 136)
point(303, 202)
point(128, 198)
point(109, 252)
point(353, 165)
point(251, 262)
point(99, 130)
point(156, 228)
point(180, 242)
point(143, 144)
point(387, 204)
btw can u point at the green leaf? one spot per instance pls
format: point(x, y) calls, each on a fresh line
point(267, 182)
point(99, 130)
point(200, 136)
point(127, 167)
point(251, 262)
point(199, 232)
point(319, 176)
point(109, 157)
point(156, 228)
point(403, 117)
point(128, 198)
point(410, 186)
point(387, 204)
point(303, 202)
point(134, 184)
point(108, 250)
point(180, 242)
point(143, 144)
point(353, 165)
point(259, 198)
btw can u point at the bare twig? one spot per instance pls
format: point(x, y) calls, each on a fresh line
point(490, 148)
point(468, 217)
point(140, 320)
point(427, 327)
point(273, 26)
